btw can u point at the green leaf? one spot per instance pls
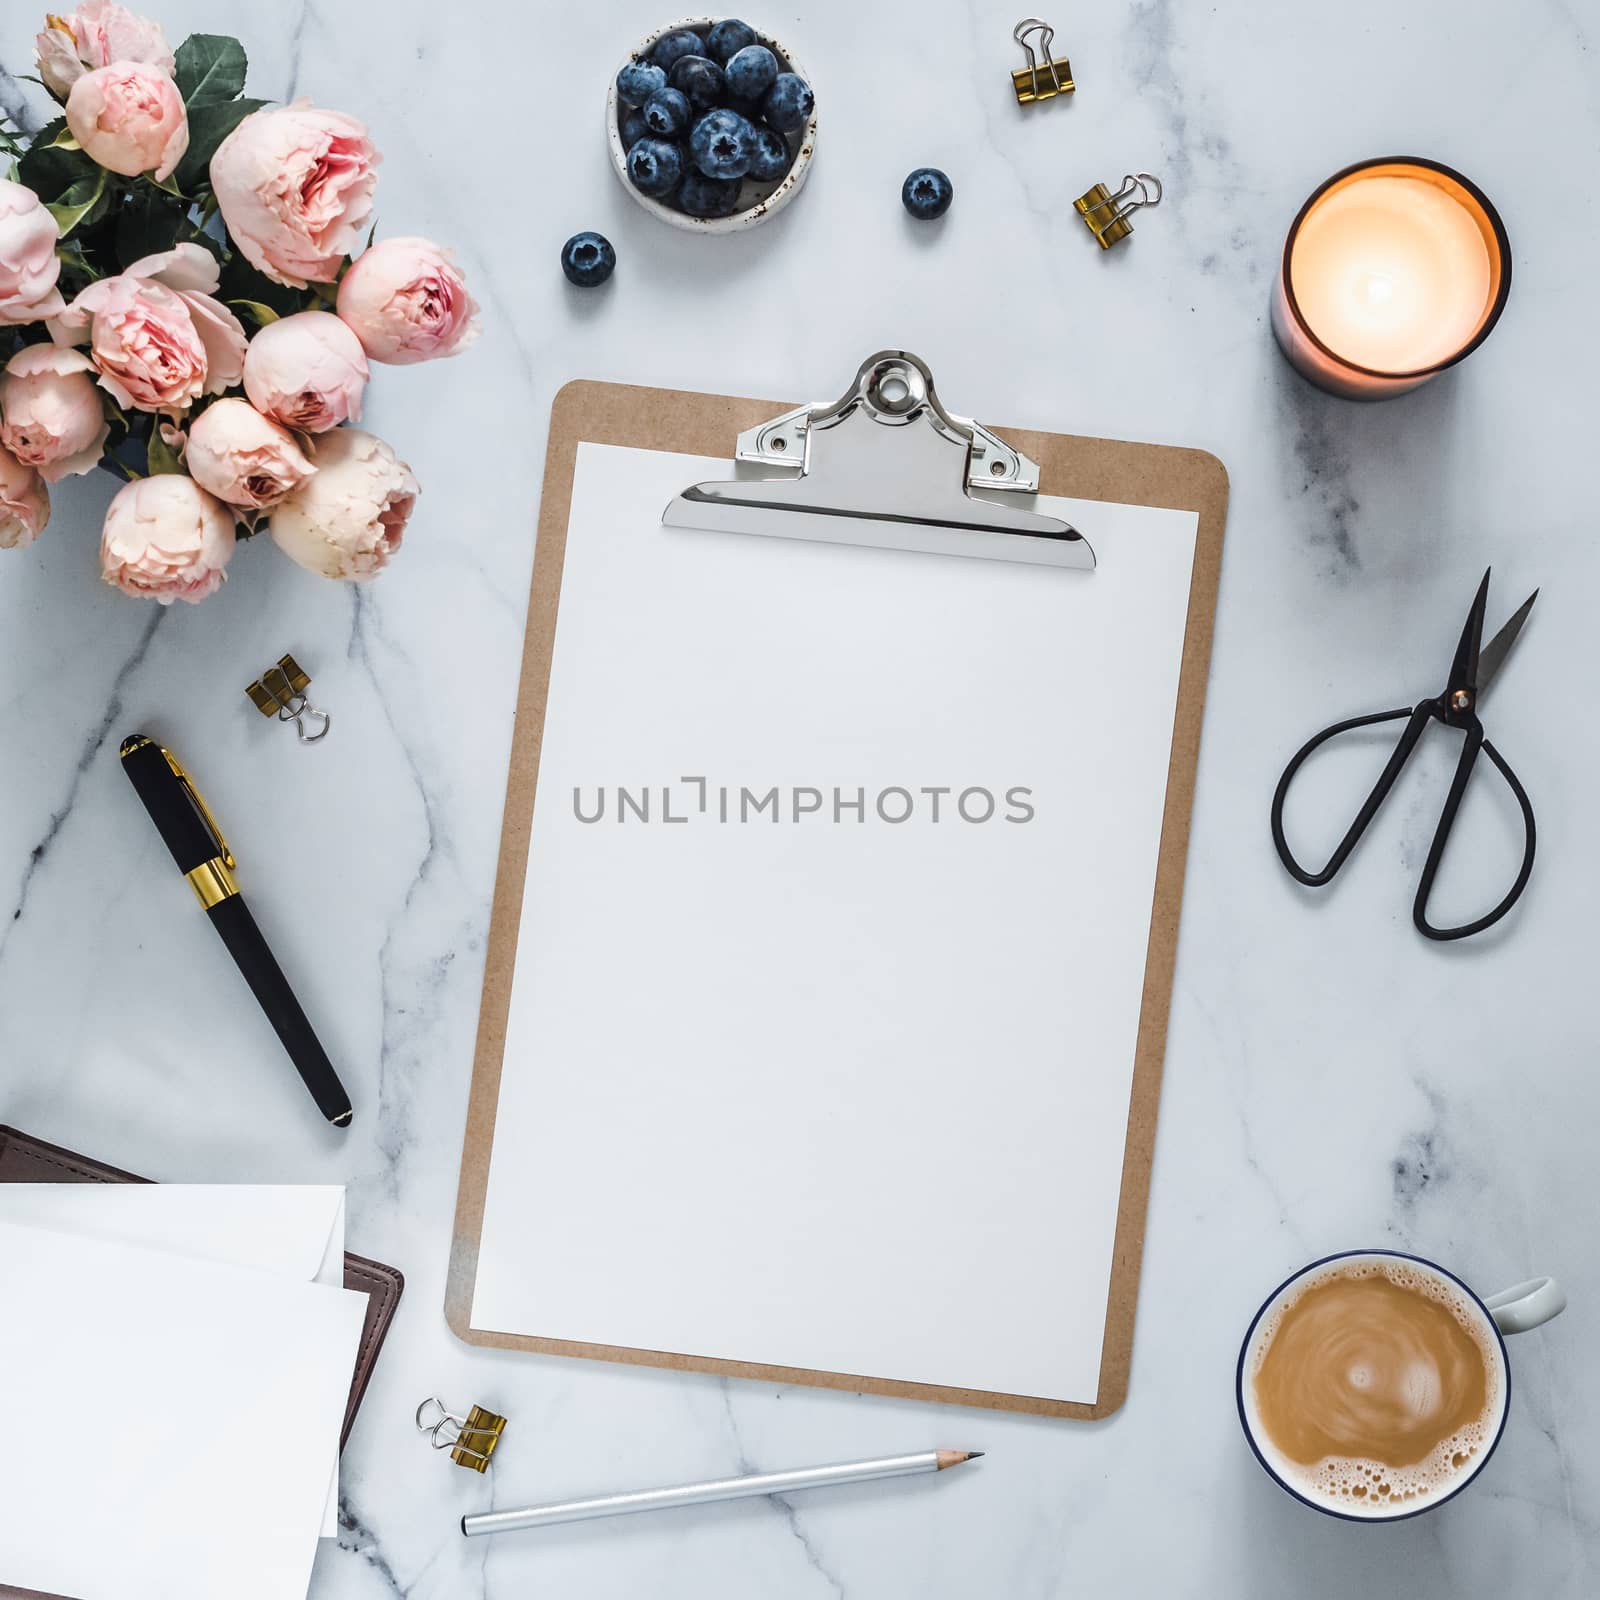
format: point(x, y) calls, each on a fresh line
point(159, 455)
point(146, 225)
point(210, 69)
point(76, 272)
point(76, 202)
point(65, 141)
point(50, 171)
point(241, 281)
point(259, 314)
point(209, 125)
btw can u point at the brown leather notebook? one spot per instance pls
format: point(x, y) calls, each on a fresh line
point(24, 1159)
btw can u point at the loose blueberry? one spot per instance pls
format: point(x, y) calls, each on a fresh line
point(633, 129)
point(727, 39)
point(752, 72)
point(588, 259)
point(666, 113)
point(701, 196)
point(684, 42)
point(720, 144)
point(927, 194)
point(750, 110)
point(788, 103)
point(638, 81)
point(770, 155)
point(655, 167)
point(700, 79)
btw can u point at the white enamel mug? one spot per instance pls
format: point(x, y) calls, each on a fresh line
point(1515, 1310)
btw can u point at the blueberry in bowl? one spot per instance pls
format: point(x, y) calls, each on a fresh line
point(673, 43)
point(706, 197)
point(633, 128)
point(770, 155)
point(655, 167)
point(724, 40)
point(719, 144)
point(703, 81)
point(724, 138)
point(638, 80)
point(788, 104)
point(667, 114)
point(752, 72)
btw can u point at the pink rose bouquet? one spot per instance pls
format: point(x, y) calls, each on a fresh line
point(191, 292)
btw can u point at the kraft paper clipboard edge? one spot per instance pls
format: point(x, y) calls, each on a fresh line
point(696, 424)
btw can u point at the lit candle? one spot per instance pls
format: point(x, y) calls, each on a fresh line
point(1393, 271)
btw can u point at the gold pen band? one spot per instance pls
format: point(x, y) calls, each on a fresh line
point(213, 881)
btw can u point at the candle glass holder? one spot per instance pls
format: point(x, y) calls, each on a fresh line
point(1419, 320)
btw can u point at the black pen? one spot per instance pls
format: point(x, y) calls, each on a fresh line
point(190, 832)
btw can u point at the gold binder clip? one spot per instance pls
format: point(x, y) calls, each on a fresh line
point(450, 1432)
point(280, 691)
point(1106, 214)
point(1045, 75)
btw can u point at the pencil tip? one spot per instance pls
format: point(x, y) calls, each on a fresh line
point(972, 1455)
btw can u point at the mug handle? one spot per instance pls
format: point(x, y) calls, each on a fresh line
point(1527, 1305)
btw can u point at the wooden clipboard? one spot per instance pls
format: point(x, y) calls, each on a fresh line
point(706, 425)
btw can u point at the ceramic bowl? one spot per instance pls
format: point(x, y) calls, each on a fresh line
point(759, 201)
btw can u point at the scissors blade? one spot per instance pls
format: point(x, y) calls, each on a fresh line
point(1464, 669)
point(1493, 655)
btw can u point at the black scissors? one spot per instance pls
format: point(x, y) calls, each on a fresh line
point(1471, 673)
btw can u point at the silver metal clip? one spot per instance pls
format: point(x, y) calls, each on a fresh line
point(887, 466)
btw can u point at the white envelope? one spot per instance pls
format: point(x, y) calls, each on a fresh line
point(169, 1419)
point(294, 1230)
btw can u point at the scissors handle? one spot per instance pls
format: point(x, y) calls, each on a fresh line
point(1441, 836)
point(1407, 742)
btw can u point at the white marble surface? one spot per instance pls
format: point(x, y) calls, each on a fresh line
point(1331, 1080)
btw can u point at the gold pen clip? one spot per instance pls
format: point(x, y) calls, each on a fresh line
point(212, 881)
point(199, 802)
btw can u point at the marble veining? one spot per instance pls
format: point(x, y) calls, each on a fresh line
point(1331, 1081)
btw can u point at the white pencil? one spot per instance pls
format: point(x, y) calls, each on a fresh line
point(699, 1494)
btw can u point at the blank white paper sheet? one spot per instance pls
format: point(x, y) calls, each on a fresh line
point(813, 1086)
point(170, 1421)
point(293, 1229)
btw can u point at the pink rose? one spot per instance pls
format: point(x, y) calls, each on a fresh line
point(407, 301)
point(96, 34)
point(24, 503)
point(158, 338)
point(28, 264)
point(166, 539)
point(242, 458)
point(295, 189)
point(348, 520)
point(50, 412)
point(130, 118)
point(307, 371)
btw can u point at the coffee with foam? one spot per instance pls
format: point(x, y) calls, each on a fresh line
point(1377, 1384)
